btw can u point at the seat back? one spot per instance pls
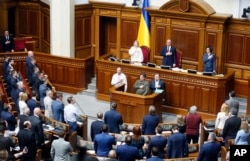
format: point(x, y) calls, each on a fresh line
point(178, 61)
point(145, 52)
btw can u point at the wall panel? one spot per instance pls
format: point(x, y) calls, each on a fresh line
point(235, 48)
point(129, 37)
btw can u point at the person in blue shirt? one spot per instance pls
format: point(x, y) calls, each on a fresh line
point(209, 60)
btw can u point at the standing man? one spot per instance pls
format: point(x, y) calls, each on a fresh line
point(210, 150)
point(150, 122)
point(113, 119)
point(103, 142)
point(119, 78)
point(177, 144)
point(71, 113)
point(60, 149)
point(158, 141)
point(32, 102)
point(47, 104)
point(37, 127)
point(58, 108)
point(169, 54)
point(96, 126)
point(232, 102)
point(8, 42)
point(23, 117)
point(7, 116)
point(142, 85)
point(26, 138)
point(127, 152)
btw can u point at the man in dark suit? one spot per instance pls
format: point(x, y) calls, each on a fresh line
point(57, 107)
point(150, 122)
point(155, 155)
point(127, 151)
point(26, 139)
point(37, 127)
point(103, 142)
point(210, 150)
point(232, 125)
point(5, 142)
point(28, 64)
point(113, 119)
point(8, 42)
point(96, 126)
point(32, 102)
point(24, 117)
point(7, 116)
point(157, 83)
point(177, 144)
point(169, 54)
point(158, 141)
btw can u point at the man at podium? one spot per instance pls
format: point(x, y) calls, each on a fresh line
point(119, 78)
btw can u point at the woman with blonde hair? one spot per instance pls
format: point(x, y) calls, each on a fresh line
point(243, 135)
point(22, 102)
point(222, 116)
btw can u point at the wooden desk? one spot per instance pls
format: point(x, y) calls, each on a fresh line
point(182, 89)
point(134, 107)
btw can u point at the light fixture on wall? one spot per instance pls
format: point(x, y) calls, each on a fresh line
point(136, 3)
point(245, 11)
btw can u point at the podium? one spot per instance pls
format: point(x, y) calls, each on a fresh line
point(134, 107)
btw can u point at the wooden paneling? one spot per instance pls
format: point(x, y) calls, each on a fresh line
point(160, 37)
point(128, 37)
point(182, 89)
point(246, 51)
point(235, 48)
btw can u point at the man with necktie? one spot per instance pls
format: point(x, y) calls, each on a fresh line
point(169, 54)
point(8, 42)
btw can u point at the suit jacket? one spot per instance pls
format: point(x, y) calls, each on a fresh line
point(26, 138)
point(60, 150)
point(37, 128)
point(6, 143)
point(7, 116)
point(209, 151)
point(57, 110)
point(30, 71)
point(149, 124)
point(231, 127)
point(168, 60)
point(160, 142)
point(176, 145)
point(113, 119)
point(155, 158)
point(42, 93)
point(32, 104)
point(152, 85)
point(103, 144)
point(127, 153)
point(209, 64)
point(233, 103)
point(22, 119)
point(96, 128)
point(10, 46)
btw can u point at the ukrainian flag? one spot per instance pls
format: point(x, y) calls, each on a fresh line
point(144, 26)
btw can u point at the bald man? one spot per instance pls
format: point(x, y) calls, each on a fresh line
point(96, 126)
point(169, 54)
point(37, 127)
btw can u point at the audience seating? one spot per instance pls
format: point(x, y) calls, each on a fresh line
point(73, 141)
point(82, 122)
point(193, 150)
point(145, 52)
point(182, 159)
point(223, 153)
point(207, 126)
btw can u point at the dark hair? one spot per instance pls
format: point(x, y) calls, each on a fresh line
point(159, 129)
point(143, 74)
point(2, 129)
point(232, 93)
point(33, 93)
point(69, 99)
point(105, 128)
point(3, 123)
point(234, 111)
point(155, 151)
point(175, 127)
point(210, 48)
point(113, 105)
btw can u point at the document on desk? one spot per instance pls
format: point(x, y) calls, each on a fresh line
point(158, 90)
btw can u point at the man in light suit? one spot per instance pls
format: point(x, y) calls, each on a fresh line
point(158, 141)
point(113, 119)
point(232, 102)
point(127, 152)
point(157, 83)
point(169, 54)
point(8, 42)
point(177, 144)
point(103, 142)
point(57, 107)
point(210, 150)
point(60, 149)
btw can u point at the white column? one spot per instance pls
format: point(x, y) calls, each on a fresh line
point(62, 28)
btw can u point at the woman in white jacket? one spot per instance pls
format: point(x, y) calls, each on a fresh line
point(135, 53)
point(221, 118)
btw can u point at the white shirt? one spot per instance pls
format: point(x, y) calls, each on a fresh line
point(136, 54)
point(22, 106)
point(70, 113)
point(119, 79)
point(220, 120)
point(47, 105)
